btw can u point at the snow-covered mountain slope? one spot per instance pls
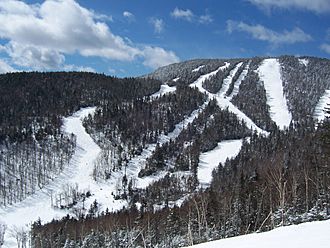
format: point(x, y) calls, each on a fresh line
point(321, 108)
point(270, 73)
point(306, 235)
point(251, 96)
point(211, 159)
point(79, 173)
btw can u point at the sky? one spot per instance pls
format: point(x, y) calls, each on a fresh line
point(134, 37)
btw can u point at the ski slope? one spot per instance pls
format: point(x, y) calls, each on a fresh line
point(22, 214)
point(239, 81)
point(319, 112)
point(198, 68)
point(164, 89)
point(210, 160)
point(223, 102)
point(228, 79)
point(313, 234)
point(270, 73)
point(304, 62)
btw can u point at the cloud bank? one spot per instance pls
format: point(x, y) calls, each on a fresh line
point(260, 32)
point(40, 36)
point(317, 6)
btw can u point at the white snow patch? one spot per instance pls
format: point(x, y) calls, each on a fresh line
point(78, 172)
point(224, 103)
point(198, 68)
point(175, 79)
point(304, 62)
point(306, 235)
point(239, 81)
point(210, 160)
point(270, 73)
point(319, 112)
point(164, 89)
point(226, 82)
point(137, 163)
point(199, 82)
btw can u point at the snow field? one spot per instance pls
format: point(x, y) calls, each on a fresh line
point(306, 235)
point(225, 102)
point(270, 73)
point(239, 81)
point(227, 80)
point(210, 160)
point(198, 68)
point(164, 89)
point(319, 112)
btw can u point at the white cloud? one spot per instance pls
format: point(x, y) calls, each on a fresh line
point(156, 57)
point(40, 36)
point(325, 47)
point(158, 25)
point(78, 68)
point(182, 14)
point(205, 19)
point(129, 16)
point(4, 67)
point(260, 32)
point(317, 6)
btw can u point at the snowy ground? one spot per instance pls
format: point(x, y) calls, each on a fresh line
point(270, 73)
point(239, 81)
point(164, 89)
point(198, 68)
point(22, 214)
point(210, 160)
point(223, 102)
point(304, 62)
point(319, 112)
point(306, 235)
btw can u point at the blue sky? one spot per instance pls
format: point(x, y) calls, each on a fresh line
point(133, 37)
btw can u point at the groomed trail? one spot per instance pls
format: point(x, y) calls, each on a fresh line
point(270, 73)
point(24, 213)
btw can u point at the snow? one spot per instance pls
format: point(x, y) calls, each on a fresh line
point(210, 160)
point(175, 79)
point(223, 102)
point(198, 68)
point(164, 89)
point(319, 112)
point(228, 79)
point(304, 62)
point(199, 82)
point(239, 81)
point(138, 162)
point(306, 235)
point(270, 73)
point(79, 173)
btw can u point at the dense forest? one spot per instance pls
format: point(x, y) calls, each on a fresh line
point(279, 177)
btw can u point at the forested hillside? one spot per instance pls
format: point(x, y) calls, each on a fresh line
point(166, 174)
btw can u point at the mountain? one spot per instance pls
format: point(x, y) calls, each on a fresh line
point(195, 151)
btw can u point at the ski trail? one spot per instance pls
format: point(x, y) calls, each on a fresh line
point(137, 163)
point(319, 112)
point(227, 80)
point(270, 73)
point(199, 82)
point(208, 161)
point(303, 62)
point(198, 68)
point(164, 89)
point(239, 81)
point(224, 103)
point(22, 214)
